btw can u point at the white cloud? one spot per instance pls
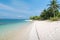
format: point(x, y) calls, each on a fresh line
point(19, 16)
point(20, 7)
point(2, 6)
point(6, 7)
point(24, 11)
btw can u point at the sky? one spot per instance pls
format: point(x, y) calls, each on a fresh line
point(22, 9)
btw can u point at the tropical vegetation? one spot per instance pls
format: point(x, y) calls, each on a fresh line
point(51, 13)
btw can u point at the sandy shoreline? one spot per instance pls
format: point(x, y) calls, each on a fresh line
point(46, 31)
point(21, 33)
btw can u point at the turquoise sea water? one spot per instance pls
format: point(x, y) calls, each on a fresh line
point(11, 24)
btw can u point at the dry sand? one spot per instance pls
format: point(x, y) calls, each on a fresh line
point(48, 30)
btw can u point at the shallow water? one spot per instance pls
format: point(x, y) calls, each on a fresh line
point(10, 26)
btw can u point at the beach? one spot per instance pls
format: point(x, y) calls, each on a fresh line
point(48, 30)
point(36, 30)
point(16, 31)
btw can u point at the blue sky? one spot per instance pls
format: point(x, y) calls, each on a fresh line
point(22, 8)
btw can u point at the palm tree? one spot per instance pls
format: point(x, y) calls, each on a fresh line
point(43, 14)
point(54, 6)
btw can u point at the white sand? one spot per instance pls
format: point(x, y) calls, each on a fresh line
point(48, 30)
point(42, 30)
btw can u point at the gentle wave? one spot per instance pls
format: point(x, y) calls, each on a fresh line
point(28, 20)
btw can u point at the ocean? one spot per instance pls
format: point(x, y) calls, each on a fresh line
point(7, 25)
point(10, 21)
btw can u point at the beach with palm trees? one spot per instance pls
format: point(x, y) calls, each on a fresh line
point(45, 26)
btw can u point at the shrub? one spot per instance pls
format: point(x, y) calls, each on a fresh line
point(35, 17)
point(54, 18)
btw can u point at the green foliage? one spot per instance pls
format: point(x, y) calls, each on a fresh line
point(35, 17)
point(58, 15)
point(46, 14)
point(31, 17)
point(43, 15)
point(52, 12)
point(54, 6)
point(54, 18)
